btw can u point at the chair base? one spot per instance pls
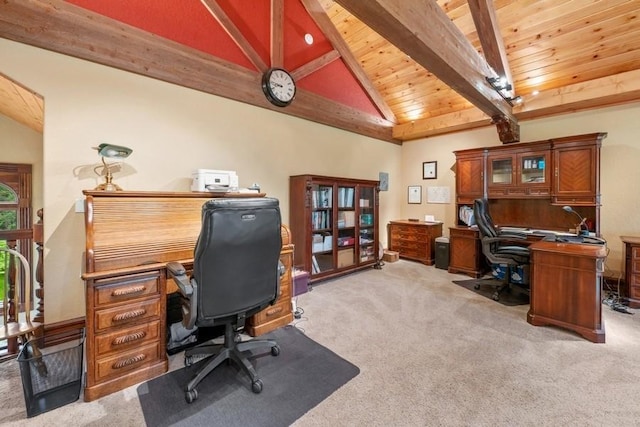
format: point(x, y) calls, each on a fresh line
point(501, 286)
point(229, 350)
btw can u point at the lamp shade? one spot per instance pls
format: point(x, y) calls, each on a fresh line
point(113, 151)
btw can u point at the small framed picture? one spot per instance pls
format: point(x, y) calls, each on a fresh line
point(415, 194)
point(429, 170)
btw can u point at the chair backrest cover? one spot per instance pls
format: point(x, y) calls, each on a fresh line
point(236, 258)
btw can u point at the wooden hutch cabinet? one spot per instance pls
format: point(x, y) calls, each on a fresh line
point(526, 185)
point(576, 168)
point(469, 175)
point(334, 224)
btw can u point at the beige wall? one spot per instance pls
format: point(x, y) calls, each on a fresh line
point(620, 157)
point(172, 131)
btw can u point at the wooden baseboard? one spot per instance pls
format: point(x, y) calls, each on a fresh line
point(60, 332)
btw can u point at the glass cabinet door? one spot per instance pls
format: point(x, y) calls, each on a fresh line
point(366, 238)
point(346, 226)
point(322, 228)
point(532, 168)
point(501, 171)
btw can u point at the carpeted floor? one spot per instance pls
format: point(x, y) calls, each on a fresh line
point(508, 297)
point(430, 353)
point(300, 377)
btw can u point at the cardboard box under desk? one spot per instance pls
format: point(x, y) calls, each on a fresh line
point(345, 257)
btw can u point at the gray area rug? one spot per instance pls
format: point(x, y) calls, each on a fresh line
point(508, 297)
point(301, 376)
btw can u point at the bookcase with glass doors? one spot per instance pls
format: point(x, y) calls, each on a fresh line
point(334, 224)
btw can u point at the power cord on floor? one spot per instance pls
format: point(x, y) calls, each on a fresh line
point(613, 301)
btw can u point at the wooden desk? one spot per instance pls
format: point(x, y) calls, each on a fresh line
point(566, 283)
point(130, 237)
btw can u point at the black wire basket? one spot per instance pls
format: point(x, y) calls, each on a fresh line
point(51, 376)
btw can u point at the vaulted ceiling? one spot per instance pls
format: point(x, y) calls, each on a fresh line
point(395, 70)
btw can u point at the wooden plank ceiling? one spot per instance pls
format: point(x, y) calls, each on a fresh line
point(395, 70)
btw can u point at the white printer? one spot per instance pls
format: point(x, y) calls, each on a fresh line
point(214, 180)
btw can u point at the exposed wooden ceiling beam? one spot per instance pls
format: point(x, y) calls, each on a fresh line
point(486, 22)
point(470, 118)
point(236, 35)
point(277, 33)
point(423, 31)
point(62, 27)
point(606, 91)
point(317, 13)
point(315, 65)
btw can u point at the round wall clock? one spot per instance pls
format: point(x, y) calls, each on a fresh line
point(278, 86)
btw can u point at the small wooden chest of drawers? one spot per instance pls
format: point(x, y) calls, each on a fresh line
point(414, 240)
point(631, 288)
point(125, 341)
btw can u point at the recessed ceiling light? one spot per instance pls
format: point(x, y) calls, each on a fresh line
point(308, 39)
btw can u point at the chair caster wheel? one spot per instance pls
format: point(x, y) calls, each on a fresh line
point(191, 395)
point(476, 287)
point(256, 386)
point(496, 297)
point(275, 350)
point(188, 361)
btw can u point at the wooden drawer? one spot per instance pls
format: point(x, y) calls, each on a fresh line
point(126, 288)
point(124, 339)
point(279, 309)
point(124, 362)
point(127, 314)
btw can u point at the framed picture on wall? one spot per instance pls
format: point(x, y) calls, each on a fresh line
point(415, 194)
point(429, 170)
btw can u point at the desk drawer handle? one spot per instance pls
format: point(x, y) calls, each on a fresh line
point(129, 338)
point(128, 362)
point(128, 291)
point(129, 315)
point(273, 311)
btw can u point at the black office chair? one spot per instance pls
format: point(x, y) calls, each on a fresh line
point(236, 273)
point(500, 247)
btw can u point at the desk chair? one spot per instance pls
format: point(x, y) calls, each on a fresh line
point(499, 247)
point(236, 273)
point(21, 328)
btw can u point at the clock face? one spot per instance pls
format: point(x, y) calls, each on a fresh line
point(279, 87)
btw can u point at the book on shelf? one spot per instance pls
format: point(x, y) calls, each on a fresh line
point(346, 219)
point(345, 197)
point(315, 268)
point(322, 198)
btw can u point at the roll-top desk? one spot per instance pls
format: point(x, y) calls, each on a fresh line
point(130, 237)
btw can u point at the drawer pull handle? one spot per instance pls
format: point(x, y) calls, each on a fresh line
point(129, 315)
point(273, 311)
point(128, 291)
point(128, 362)
point(129, 338)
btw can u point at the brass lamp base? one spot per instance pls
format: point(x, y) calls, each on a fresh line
point(108, 185)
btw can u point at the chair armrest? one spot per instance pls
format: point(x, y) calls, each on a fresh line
point(512, 235)
point(179, 274)
point(189, 290)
